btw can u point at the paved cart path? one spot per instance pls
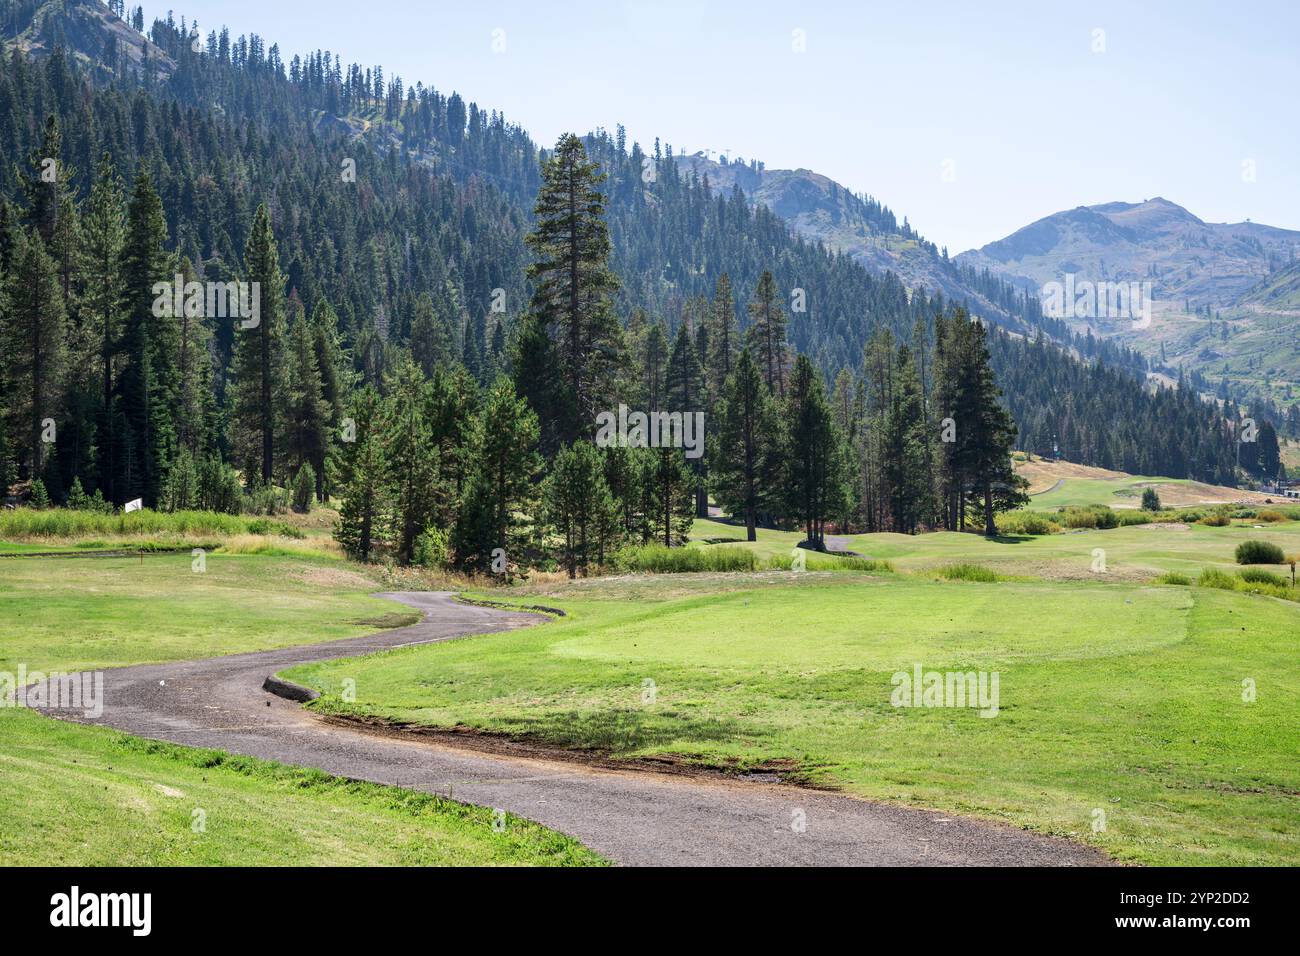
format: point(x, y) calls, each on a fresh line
point(634, 817)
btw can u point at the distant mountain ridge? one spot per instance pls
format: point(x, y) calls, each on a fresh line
point(1210, 264)
point(86, 29)
point(822, 210)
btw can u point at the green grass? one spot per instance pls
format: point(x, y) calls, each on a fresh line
point(1131, 553)
point(87, 796)
point(82, 613)
point(1081, 492)
point(968, 572)
point(1119, 697)
point(83, 796)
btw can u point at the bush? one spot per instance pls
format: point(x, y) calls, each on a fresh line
point(265, 526)
point(1214, 578)
point(1150, 500)
point(304, 489)
point(969, 572)
point(1260, 576)
point(1079, 518)
point(1173, 577)
point(265, 499)
point(1271, 517)
point(1026, 522)
point(432, 549)
point(1259, 552)
point(1216, 520)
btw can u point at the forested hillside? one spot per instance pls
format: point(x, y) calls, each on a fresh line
point(399, 239)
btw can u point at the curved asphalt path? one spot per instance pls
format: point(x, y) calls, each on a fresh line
point(631, 816)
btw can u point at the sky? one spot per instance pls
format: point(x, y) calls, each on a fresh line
point(971, 120)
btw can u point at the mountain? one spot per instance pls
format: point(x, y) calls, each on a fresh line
point(1225, 297)
point(819, 209)
point(1210, 264)
point(408, 255)
point(88, 29)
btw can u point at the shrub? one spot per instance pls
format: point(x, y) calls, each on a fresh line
point(1259, 552)
point(1150, 500)
point(432, 549)
point(265, 499)
point(1079, 518)
point(304, 489)
point(1216, 520)
point(265, 526)
point(1214, 578)
point(969, 572)
point(1260, 576)
point(1173, 577)
point(1026, 522)
point(1271, 517)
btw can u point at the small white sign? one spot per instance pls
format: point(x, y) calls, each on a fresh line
point(135, 505)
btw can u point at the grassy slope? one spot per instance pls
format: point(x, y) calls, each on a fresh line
point(1133, 553)
point(1114, 696)
point(108, 612)
point(77, 795)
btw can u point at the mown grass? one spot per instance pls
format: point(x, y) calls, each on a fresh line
point(84, 796)
point(97, 612)
point(1113, 696)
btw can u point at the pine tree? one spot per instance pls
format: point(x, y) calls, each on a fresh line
point(579, 506)
point(746, 458)
point(812, 447)
point(767, 334)
point(335, 380)
point(34, 336)
point(411, 475)
point(452, 413)
point(669, 495)
point(724, 335)
point(259, 355)
point(103, 290)
point(47, 186)
point(146, 412)
point(430, 340)
point(307, 413)
point(572, 285)
point(363, 470)
point(502, 496)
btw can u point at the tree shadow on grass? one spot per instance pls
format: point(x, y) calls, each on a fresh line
point(624, 731)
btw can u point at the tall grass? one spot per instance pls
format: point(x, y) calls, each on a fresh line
point(968, 572)
point(1251, 580)
point(813, 561)
point(64, 523)
point(657, 559)
point(660, 560)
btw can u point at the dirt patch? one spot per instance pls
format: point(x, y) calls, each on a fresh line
point(1162, 526)
point(773, 771)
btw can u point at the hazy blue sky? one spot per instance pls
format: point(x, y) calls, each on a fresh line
point(1010, 97)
